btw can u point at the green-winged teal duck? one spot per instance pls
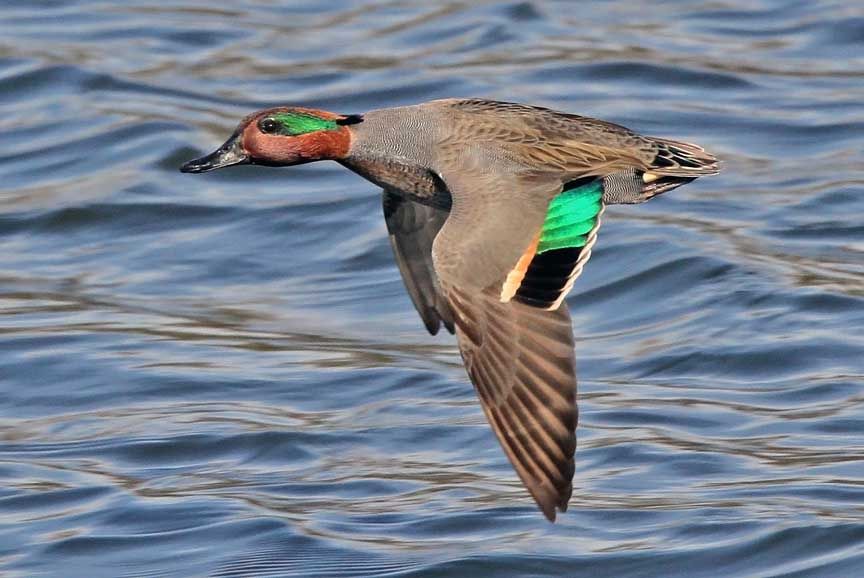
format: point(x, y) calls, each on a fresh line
point(492, 209)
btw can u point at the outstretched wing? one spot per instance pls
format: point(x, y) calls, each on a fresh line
point(519, 356)
point(412, 229)
point(528, 186)
point(517, 236)
point(520, 359)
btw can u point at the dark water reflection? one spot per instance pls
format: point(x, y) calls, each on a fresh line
point(223, 376)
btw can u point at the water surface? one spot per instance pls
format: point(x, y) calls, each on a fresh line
point(222, 375)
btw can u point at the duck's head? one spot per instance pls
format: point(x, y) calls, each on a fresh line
point(280, 137)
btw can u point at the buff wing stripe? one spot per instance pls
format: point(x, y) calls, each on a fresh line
point(568, 234)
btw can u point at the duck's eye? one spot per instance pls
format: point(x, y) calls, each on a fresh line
point(268, 125)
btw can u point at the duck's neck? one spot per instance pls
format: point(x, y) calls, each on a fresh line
point(404, 134)
point(393, 148)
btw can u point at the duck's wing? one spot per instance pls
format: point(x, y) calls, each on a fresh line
point(521, 362)
point(528, 186)
point(519, 356)
point(412, 228)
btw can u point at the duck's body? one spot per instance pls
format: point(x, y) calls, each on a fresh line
point(492, 210)
point(406, 148)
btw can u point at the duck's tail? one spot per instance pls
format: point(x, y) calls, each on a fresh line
point(677, 163)
point(682, 159)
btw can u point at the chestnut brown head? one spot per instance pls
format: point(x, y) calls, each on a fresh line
point(281, 136)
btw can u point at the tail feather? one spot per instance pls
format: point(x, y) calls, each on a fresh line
point(663, 184)
point(682, 159)
point(676, 163)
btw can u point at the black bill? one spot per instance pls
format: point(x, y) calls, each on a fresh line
point(230, 153)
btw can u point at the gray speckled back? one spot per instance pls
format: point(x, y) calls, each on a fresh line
point(404, 134)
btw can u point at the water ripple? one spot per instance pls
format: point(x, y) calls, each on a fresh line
point(223, 375)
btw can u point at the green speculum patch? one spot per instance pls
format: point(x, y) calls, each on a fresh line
point(570, 217)
point(295, 123)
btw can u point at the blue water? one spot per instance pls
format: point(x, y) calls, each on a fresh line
point(222, 375)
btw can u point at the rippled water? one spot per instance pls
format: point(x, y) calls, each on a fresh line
point(222, 375)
